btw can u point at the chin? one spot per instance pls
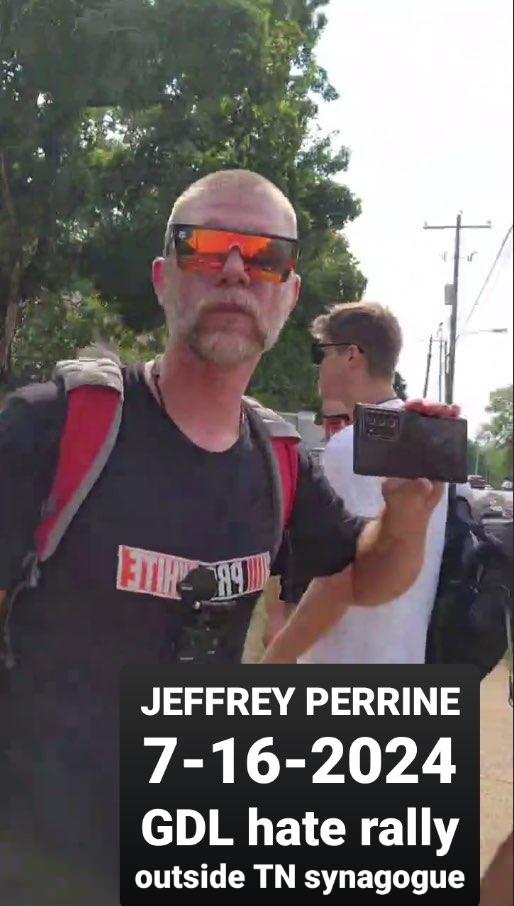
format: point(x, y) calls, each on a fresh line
point(226, 350)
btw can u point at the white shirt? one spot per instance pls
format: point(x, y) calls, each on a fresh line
point(392, 633)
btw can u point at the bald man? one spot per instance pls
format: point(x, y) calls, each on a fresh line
point(186, 482)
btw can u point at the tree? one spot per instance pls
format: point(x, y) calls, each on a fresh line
point(500, 408)
point(58, 58)
point(259, 114)
point(95, 154)
point(56, 325)
point(494, 440)
point(262, 119)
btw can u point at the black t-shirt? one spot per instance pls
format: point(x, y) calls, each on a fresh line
point(108, 596)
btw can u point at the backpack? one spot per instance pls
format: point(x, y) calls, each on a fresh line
point(94, 389)
point(472, 616)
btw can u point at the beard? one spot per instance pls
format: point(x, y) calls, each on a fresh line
point(227, 348)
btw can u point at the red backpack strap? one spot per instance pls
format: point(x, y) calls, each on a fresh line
point(284, 446)
point(286, 452)
point(95, 402)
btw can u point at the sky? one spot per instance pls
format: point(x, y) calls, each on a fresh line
point(425, 108)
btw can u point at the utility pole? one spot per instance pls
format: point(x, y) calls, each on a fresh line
point(452, 295)
point(442, 366)
point(429, 360)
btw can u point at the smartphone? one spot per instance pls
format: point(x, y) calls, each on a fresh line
point(394, 443)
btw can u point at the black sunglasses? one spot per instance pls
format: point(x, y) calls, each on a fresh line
point(318, 350)
point(202, 249)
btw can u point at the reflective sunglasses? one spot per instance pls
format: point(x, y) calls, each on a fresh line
point(205, 250)
point(318, 350)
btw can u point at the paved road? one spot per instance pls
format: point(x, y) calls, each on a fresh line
point(495, 764)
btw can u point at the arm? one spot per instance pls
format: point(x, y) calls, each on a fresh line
point(276, 610)
point(388, 557)
point(386, 565)
point(320, 608)
point(391, 549)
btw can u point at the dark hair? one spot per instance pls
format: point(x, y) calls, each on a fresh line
point(368, 325)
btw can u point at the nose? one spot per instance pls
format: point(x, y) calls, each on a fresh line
point(233, 271)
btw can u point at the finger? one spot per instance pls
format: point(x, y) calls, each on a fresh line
point(436, 493)
point(426, 407)
point(443, 410)
point(417, 486)
point(433, 409)
point(393, 485)
point(425, 486)
point(415, 405)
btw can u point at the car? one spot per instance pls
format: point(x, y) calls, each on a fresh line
point(477, 482)
point(507, 485)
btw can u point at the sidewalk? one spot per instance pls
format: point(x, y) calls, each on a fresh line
point(496, 764)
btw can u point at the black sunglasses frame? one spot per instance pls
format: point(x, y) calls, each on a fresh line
point(317, 353)
point(170, 239)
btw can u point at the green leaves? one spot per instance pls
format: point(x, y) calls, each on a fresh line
point(110, 108)
point(500, 409)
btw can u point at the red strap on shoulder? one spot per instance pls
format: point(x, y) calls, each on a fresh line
point(84, 447)
point(286, 452)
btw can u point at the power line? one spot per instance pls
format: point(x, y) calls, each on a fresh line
point(486, 281)
point(452, 293)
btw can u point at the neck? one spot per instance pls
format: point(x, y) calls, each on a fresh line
point(370, 392)
point(204, 400)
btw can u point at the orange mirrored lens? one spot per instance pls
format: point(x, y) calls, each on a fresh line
point(216, 242)
point(266, 257)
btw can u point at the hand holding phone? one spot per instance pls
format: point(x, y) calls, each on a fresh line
point(394, 443)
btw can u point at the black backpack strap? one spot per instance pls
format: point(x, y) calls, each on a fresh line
point(265, 424)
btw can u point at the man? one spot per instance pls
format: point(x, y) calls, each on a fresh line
point(186, 481)
point(359, 345)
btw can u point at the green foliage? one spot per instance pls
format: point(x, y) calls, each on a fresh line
point(500, 408)
point(58, 326)
point(111, 109)
point(493, 446)
point(286, 379)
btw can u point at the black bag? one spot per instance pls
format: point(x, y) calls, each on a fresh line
point(472, 616)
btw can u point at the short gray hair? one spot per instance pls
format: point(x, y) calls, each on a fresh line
point(225, 179)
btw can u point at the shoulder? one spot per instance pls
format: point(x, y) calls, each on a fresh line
point(32, 415)
point(276, 425)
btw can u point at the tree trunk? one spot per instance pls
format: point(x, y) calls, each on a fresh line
point(9, 309)
point(8, 319)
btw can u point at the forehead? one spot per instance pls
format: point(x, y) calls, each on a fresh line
point(237, 209)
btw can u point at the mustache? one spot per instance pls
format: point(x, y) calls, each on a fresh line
point(238, 305)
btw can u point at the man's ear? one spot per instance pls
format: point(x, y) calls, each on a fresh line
point(297, 288)
point(355, 355)
point(159, 277)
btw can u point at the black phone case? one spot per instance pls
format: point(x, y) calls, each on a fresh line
point(394, 443)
